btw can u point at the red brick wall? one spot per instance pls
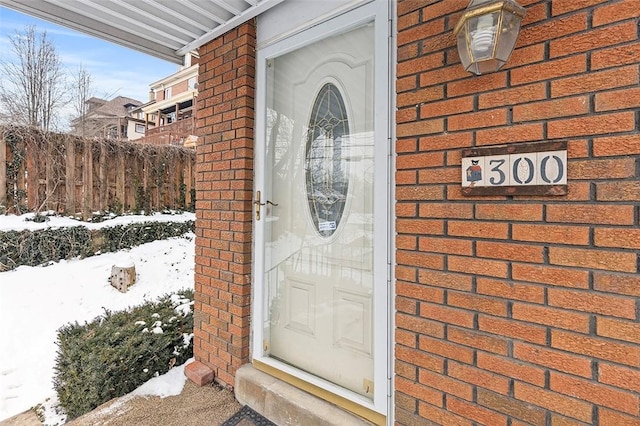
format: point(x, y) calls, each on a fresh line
point(224, 182)
point(519, 310)
point(178, 88)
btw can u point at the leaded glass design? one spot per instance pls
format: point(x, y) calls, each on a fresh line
point(327, 178)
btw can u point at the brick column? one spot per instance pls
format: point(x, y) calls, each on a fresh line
point(224, 185)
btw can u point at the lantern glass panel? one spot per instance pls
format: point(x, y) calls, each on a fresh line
point(483, 36)
point(508, 36)
point(463, 47)
point(475, 3)
point(490, 65)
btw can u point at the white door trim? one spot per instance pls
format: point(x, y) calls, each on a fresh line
point(379, 12)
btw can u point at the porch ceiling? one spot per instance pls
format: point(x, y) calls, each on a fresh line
point(167, 29)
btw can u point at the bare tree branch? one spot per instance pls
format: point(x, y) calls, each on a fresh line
point(81, 90)
point(32, 81)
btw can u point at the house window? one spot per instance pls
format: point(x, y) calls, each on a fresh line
point(139, 128)
point(167, 93)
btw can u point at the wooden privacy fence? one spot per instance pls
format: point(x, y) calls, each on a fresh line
point(50, 171)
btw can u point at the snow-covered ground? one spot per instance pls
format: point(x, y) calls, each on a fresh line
point(36, 301)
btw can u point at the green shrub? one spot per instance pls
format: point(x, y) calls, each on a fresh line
point(119, 351)
point(40, 247)
point(43, 246)
point(119, 236)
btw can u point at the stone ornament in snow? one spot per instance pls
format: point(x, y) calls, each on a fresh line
point(123, 276)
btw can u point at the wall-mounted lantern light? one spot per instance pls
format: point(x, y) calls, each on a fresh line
point(487, 33)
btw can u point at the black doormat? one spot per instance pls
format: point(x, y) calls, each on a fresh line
point(247, 417)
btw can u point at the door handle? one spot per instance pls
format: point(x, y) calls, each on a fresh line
point(258, 204)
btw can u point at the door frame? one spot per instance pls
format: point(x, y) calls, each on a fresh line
point(378, 11)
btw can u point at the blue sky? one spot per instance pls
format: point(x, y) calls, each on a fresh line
point(115, 70)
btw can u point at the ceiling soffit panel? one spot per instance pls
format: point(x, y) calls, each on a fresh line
point(167, 29)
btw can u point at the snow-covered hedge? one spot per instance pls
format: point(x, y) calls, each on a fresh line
point(119, 351)
point(50, 245)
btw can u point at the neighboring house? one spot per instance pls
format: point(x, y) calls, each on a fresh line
point(137, 124)
point(170, 115)
point(106, 119)
point(345, 269)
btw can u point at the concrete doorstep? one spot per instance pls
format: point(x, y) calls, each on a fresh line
point(285, 404)
point(28, 418)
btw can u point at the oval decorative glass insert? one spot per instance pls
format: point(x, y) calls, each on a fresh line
point(327, 174)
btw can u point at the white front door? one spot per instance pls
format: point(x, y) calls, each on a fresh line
point(320, 229)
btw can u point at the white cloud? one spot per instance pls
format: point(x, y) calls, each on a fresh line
point(128, 79)
point(5, 47)
point(72, 60)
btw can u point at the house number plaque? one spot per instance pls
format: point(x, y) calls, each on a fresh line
point(538, 168)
